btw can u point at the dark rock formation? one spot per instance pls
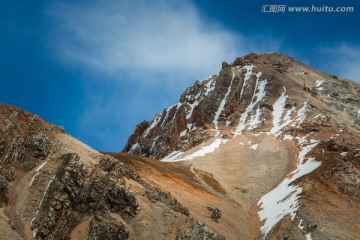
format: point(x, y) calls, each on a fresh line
point(102, 228)
point(347, 177)
point(215, 214)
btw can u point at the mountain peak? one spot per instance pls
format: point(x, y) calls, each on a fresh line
point(243, 96)
point(274, 135)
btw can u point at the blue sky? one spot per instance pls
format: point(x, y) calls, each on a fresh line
point(100, 67)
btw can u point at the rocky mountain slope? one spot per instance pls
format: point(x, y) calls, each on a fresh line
point(55, 187)
point(279, 138)
point(267, 149)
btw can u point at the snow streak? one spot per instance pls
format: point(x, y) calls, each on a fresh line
point(153, 124)
point(249, 69)
point(41, 201)
point(258, 95)
point(283, 199)
point(280, 120)
point(37, 172)
point(223, 102)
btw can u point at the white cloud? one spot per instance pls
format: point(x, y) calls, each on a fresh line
point(140, 37)
point(152, 50)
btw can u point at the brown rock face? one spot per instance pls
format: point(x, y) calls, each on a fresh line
point(55, 187)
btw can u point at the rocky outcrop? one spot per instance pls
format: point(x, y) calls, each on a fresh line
point(347, 177)
point(54, 187)
point(156, 195)
point(75, 192)
point(198, 231)
point(101, 228)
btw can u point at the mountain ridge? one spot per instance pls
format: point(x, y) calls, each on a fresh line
point(224, 97)
point(267, 149)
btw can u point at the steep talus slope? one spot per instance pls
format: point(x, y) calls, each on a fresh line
point(277, 136)
point(55, 187)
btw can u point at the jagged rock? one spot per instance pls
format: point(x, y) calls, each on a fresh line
point(224, 64)
point(71, 195)
point(199, 231)
point(155, 194)
point(347, 177)
point(3, 191)
point(101, 228)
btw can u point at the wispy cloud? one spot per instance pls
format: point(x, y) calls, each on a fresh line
point(142, 54)
point(342, 60)
point(139, 36)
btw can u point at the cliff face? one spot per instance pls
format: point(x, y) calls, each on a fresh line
point(279, 138)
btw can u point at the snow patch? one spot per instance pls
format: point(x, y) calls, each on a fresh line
point(177, 156)
point(254, 146)
point(319, 84)
point(280, 120)
point(343, 154)
point(308, 236)
point(283, 199)
point(255, 119)
point(205, 150)
point(183, 133)
point(288, 137)
point(133, 147)
point(172, 156)
point(300, 117)
point(300, 225)
point(278, 112)
point(210, 86)
point(249, 69)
